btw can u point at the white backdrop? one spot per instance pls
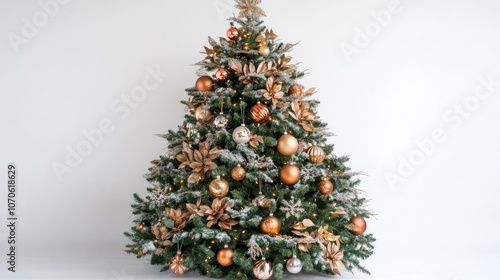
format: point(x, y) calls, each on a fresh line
point(410, 88)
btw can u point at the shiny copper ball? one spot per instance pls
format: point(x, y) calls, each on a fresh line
point(222, 74)
point(225, 257)
point(295, 89)
point(219, 187)
point(289, 174)
point(358, 225)
point(325, 187)
point(238, 173)
point(270, 225)
point(287, 145)
point(259, 113)
point(204, 83)
point(233, 33)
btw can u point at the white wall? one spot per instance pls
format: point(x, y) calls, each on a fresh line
point(400, 86)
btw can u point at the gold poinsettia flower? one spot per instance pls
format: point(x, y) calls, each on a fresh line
point(305, 241)
point(256, 140)
point(199, 160)
point(302, 114)
point(283, 65)
point(216, 215)
point(249, 8)
point(323, 236)
point(333, 256)
point(251, 73)
point(273, 92)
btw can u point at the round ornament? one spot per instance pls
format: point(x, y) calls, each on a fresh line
point(287, 145)
point(204, 83)
point(238, 173)
point(358, 225)
point(270, 225)
point(140, 253)
point(202, 114)
point(295, 89)
point(241, 134)
point(316, 154)
point(222, 74)
point(175, 264)
point(294, 265)
point(246, 46)
point(325, 186)
point(221, 121)
point(264, 51)
point(262, 201)
point(233, 33)
point(289, 174)
point(219, 187)
point(225, 256)
point(263, 269)
point(259, 113)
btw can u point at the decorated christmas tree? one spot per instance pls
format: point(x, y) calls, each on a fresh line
point(249, 186)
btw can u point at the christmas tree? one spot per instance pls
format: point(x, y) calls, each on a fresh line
point(249, 185)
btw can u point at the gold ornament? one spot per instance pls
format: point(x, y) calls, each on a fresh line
point(175, 264)
point(202, 115)
point(219, 187)
point(259, 113)
point(225, 256)
point(238, 173)
point(295, 89)
point(263, 269)
point(204, 83)
point(287, 145)
point(325, 186)
point(233, 33)
point(246, 46)
point(222, 74)
point(270, 225)
point(358, 225)
point(316, 154)
point(264, 51)
point(289, 174)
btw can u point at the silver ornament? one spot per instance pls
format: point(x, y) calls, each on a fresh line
point(241, 134)
point(294, 265)
point(221, 121)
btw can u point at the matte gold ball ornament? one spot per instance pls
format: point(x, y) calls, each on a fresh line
point(358, 225)
point(204, 83)
point(202, 114)
point(316, 154)
point(270, 225)
point(287, 145)
point(225, 256)
point(175, 264)
point(259, 113)
point(218, 187)
point(289, 174)
point(233, 33)
point(222, 74)
point(263, 269)
point(238, 173)
point(326, 186)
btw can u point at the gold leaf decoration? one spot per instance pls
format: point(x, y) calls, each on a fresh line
point(200, 161)
point(302, 114)
point(215, 214)
point(273, 92)
point(249, 7)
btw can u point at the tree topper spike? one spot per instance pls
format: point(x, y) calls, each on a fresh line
point(249, 8)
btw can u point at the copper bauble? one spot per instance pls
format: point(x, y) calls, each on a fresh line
point(233, 33)
point(295, 89)
point(202, 114)
point(222, 74)
point(259, 113)
point(289, 174)
point(219, 187)
point(325, 187)
point(316, 154)
point(264, 51)
point(270, 225)
point(358, 225)
point(225, 256)
point(263, 269)
point(287, 145)
point(140, 253)
point(204, 83)
point(238, 173)
point(175, 264)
